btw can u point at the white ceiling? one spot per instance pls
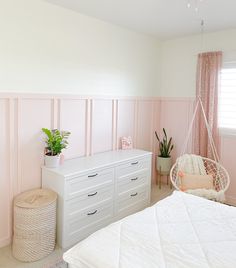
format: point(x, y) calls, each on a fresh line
point(162, 18)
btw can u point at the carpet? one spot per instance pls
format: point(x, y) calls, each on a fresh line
point(59, 263)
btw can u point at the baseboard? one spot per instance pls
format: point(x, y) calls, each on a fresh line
point(5, 242)
point(231, 200)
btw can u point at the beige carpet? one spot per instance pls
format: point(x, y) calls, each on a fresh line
point(56, 264)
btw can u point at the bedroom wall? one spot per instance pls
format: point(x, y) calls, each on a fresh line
point(178, 70)
point(45, 48)
point(179, 59)
point(61, 69)
point(83, 66)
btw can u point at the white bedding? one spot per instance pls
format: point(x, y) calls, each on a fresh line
point(181, 231)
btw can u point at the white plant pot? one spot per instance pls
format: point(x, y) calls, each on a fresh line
point(52, 161)
point(163, 164)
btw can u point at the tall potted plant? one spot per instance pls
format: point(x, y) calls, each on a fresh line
point(55, 141)
point(163, 161)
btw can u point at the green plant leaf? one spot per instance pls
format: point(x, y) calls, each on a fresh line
point(56, 140)
point(165, 145)
point(157, 136)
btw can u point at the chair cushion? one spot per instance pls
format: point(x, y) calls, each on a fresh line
point(195, 181)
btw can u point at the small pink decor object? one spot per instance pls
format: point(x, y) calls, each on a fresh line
point(126, 143)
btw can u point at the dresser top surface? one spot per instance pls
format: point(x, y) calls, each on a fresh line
point(83, 164)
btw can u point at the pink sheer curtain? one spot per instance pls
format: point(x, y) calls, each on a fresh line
point(208, 71)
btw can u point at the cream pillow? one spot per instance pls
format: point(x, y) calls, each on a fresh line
point(192, 181)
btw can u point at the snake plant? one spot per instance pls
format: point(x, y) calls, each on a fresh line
point(165, 145)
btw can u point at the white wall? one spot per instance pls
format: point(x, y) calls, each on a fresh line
point(46, 48)
point(179, 60)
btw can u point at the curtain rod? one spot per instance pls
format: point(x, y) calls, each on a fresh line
point(223, 51)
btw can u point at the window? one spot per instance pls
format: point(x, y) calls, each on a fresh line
point(227, 99)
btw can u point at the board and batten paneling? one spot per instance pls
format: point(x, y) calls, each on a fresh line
point(175, 118)
point(227, 155)
point(125, 120)
point(5, 179)
point(155, 127)
point(96, 125)
point(144, 130)
point(72, 118)
point(33, 114)
point(102, 125)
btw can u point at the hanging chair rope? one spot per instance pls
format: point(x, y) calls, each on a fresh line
point(210, 136)
point(184, 149)
point(213, 147)
point(213, 167)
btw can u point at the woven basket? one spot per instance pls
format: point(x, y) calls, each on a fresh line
point(34, 225)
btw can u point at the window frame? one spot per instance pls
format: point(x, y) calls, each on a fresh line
point(224, 131)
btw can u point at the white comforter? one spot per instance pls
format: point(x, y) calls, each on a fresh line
point(179, 231)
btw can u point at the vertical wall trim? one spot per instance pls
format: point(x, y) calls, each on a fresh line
point(56, 113)
point(91, 127)
point(136, 114)
point(117, 125)
point(114, 124)
point(154, 118)
point(152, 141)
point(11, 162)
point(19, 178)
point(88, 127)
point(152, 125)
point(117, 138)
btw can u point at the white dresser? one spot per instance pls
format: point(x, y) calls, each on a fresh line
point(97, 190)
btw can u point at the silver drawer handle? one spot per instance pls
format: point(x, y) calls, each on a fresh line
point(92, 194)
point(91, 176)
point(132, 195)
point(134, 163)
point(92, 213)
point(134, 179)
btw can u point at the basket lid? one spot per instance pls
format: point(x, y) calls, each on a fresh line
point(35, 198)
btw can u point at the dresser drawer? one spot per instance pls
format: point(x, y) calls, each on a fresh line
point(137, 164)
point(78, 185)
point(88, 218)
point(131, 197)
point(88, 198)
point(73, 238)
point(133, 180)
point(97, 190)
point(126, 211)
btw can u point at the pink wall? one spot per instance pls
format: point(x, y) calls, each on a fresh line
point(6, 174)
point(175, 118)
point(96, 124)
point(228, 145)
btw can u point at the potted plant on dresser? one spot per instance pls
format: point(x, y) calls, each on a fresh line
point(163, 160)
point(55, 141)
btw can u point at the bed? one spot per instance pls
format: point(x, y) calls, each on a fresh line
point(183, 231)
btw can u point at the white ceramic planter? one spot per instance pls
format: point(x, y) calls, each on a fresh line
point(52, 161)
point(163, 164)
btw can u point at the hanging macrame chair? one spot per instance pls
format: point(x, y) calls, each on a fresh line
point(220, 175)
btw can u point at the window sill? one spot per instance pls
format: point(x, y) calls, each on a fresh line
point(227, 132)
